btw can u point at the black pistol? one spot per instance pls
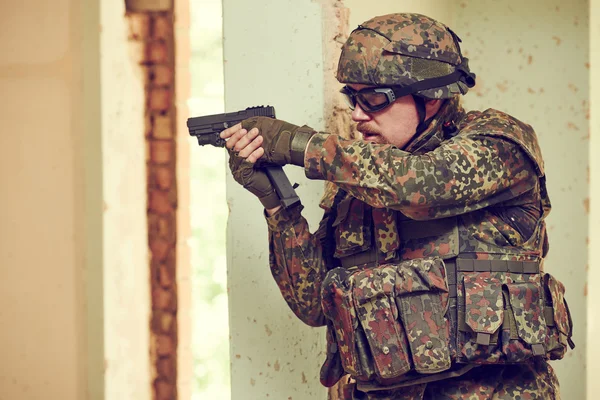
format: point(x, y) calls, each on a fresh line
point(207, 130)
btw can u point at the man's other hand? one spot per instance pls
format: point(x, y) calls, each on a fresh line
point(244, 149)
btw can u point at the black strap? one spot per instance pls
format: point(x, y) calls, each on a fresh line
point(328, 240)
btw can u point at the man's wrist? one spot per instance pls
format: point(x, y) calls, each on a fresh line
point(299, 143)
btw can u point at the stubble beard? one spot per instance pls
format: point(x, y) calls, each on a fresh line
point(370, 134)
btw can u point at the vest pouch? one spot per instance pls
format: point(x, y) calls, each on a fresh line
point(338, 307)
point(524, 328)
point(481, 313)
point(373, 292)
point(422, 299)
point(558, 319)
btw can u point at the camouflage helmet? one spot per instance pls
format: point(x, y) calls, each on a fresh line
point(407, 50)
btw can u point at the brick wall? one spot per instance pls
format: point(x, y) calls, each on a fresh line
point(151, 35)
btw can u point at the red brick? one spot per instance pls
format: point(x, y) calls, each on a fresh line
point(162, 27)
point(166, 322)
point(164, 228)
point(162, 75)
point(166, 368)
point(162, 299)
point(164, 276)
point(160, 249)
point(160, 99)
point(163, 177)
point(164, 345)
point(163, 128)
point(159, 202)
point(164, 390)
point(161, 151)
point(157, 53)
point(139, 26)
point(162, 322)
point(148, 124)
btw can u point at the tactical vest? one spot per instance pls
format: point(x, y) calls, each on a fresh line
point(412, 301)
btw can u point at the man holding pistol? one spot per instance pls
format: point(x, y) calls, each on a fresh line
point(427, 267)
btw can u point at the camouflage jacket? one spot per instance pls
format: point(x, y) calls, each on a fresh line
point(473, 193)
point(490, 173)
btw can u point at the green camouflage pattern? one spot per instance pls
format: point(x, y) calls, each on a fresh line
point(483, 302)
point(527, 307)
point(495, 300)
point(400, 49)
point(476, 194)
point(531, 381)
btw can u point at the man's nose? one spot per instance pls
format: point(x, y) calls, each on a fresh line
point(358, 114)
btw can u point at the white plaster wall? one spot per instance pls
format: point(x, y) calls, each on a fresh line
point(593, 353)
point(275, 60)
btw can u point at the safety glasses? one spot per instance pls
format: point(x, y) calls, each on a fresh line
point(373, 99)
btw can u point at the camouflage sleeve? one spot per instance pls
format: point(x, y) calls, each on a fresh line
point(296, 262)
point(463, 174)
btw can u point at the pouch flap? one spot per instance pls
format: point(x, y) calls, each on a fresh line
point(526, 303)
point(483, 303)
point(371, 284)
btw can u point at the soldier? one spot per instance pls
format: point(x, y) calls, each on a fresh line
point(427, 267)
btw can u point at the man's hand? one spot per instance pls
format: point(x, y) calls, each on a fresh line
point(244, 149)
point(283, 143)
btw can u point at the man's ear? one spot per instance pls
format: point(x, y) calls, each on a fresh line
point(432, 107)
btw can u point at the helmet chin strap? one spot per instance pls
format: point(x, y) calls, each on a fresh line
point(420, 103)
